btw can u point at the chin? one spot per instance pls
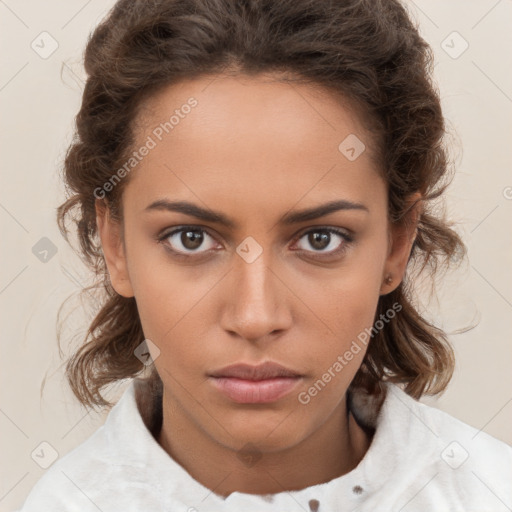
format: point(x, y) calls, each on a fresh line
point(263, 435)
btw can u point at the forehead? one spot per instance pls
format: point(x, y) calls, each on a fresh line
point(231, 106)
point(242, 138)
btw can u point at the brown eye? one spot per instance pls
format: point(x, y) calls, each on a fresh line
point(191, 239)
point(187, 241)
point(319, 240)
point(329, 241)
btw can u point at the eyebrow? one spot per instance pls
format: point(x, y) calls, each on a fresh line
point(289, 218)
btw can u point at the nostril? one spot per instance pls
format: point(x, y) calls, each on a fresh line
point(314, 505)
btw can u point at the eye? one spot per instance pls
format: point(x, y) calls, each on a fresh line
point(326, 241)
point(187, 240)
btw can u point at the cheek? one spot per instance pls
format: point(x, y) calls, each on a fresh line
point(350, 320)
point(346, 303)
point(349, 315)
point(161, 293)
point(173, 302)
point(346, 298)
point(170, 319)
point(356, 299)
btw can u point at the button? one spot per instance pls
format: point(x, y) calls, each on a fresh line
point(313, 505)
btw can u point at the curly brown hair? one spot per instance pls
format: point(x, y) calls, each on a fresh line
point(368, 51)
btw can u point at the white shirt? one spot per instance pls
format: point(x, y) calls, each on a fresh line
point(420, 459)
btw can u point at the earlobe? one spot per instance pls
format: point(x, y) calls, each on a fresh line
point(109, 232)
point(401, 239)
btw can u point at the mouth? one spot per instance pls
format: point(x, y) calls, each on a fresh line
point(265, 383)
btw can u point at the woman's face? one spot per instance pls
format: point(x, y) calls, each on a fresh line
point(256, 278)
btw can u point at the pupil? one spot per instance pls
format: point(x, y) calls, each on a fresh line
point(318, 240)
point(191, 243)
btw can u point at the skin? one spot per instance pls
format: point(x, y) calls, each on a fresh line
point(255, 149)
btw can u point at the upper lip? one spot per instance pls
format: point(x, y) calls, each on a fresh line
point(267, 370)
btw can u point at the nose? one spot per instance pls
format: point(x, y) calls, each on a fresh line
point(257, 300)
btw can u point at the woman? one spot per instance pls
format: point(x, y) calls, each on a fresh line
point(253, 184)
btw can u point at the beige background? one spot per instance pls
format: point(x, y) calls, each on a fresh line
point(38, 106)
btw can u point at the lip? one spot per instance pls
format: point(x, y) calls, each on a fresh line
point(255, 391)
point(266, 370)
point(264, 383)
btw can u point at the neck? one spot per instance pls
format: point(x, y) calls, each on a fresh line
point(331, 451)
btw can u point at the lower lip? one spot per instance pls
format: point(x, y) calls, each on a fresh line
point(255, 391)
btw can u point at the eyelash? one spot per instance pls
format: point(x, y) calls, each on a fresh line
point(347, 240)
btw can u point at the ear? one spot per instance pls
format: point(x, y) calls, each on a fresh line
point(109, 231)
point(401, 237)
